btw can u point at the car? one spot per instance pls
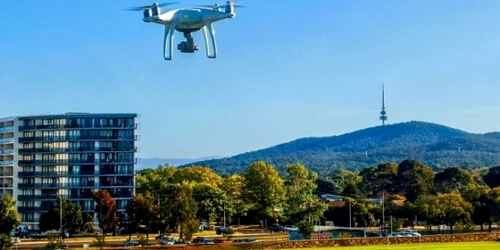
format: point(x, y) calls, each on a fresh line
point(167, 241)
point(249, 240)
point(396, 235)
point(203, 225)
point(372, 234)
point(276, 228)
point(203, 240)
point(411, 233)
point(130, 243)
point(290, 228)
point(223, 230)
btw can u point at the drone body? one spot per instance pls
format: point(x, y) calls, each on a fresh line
point(188, 20)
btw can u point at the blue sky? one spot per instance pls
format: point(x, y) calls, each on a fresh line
point(286, 69)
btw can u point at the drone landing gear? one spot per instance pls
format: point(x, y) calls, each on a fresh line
point(211, 47)
point(188, 46)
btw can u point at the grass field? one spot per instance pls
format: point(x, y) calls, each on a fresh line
point(428, 246)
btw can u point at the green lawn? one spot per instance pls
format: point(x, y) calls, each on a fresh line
point(428, 246)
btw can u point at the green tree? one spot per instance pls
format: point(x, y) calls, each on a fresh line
point(453, 180)
point(452, 208)
point(382, 178)
point(343, 180)
point(264, 190)
point(73, 220)
point(300, 184)
point(415, 179)
point(492, 178)
point(480, 200)
point(183, 208)
point(106, 211)
point(9, 219)
point(232, 187)
point(426, 208)
point(141, 211)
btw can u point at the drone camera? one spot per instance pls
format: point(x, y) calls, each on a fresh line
point(187, 47)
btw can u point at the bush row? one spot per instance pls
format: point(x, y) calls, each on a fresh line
point(383, 240)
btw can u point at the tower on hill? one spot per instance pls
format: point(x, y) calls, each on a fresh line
point(383, 114)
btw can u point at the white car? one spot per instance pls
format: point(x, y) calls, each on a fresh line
point(291, 228)
point(411, 233)
point(167, 241)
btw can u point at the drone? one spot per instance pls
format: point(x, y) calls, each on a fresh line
point(187, 21)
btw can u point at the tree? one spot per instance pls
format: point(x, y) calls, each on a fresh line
point(480, 201)
point(414, 179)
point(452, 180)
point(382, 178)
point(106, 211)
point(452, 208)
point(264, 190)
point(9, 219)
point(182, 208)
point(300, 205)
point(141, 211)
point(426, 208)
point(343, 179)
point(492, 178)
point(73, 220)
point(232, 187)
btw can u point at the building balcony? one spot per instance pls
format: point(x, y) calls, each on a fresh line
point(74, 138)
point(74, 162)
point(6, 140)
point(57, 185)
point(73, 150)
point(74, 126)
point(6, 129)
point(6, 163)
point(113, 172)
point(6, 185)
point(32, 209)
point(6, 151)
point(54, 174)
point(36, 197)
point(6, 174)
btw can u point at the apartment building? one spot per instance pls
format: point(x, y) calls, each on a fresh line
point(43, 157)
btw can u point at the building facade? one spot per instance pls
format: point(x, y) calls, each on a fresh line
point(69, 155)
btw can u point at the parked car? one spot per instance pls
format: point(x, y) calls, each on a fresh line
point(21, 232)
point(203, 240)
point(130, 243)
point(203, 225)
point(276, 228)
point(411, 233)
point(223, 230)
point(167, 241)
point(290, 228)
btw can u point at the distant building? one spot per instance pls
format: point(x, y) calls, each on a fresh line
point(70, 155)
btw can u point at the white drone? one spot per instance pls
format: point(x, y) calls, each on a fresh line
point(187, 20)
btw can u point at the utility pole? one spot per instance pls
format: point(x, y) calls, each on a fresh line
point(350, 220)
point(383, 210)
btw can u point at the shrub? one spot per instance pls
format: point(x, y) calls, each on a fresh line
point(100, 240)
point(142, 240)
point(5, 241)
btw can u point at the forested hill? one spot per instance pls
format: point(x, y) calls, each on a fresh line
point(436, 145)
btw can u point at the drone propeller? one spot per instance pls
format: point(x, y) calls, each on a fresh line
point(220, 5)
point(145, 7)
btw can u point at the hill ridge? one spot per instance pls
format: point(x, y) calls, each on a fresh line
point(434, 144)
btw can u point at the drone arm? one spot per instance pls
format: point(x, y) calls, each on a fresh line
point(211, 47)
point(168, 42)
